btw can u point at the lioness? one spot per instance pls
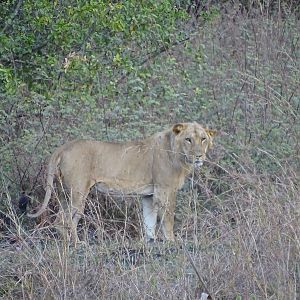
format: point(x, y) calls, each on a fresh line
point(154, 168)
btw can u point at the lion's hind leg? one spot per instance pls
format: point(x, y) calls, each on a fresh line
point(69, 215)
point(61, 224)
point(62, 197)
point(78, 200)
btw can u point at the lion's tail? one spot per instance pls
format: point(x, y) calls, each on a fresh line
point(52, 170)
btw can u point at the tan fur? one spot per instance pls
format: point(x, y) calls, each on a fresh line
point(154, 168)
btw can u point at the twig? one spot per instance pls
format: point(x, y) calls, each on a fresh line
point(196, 270)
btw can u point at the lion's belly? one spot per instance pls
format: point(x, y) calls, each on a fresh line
point(117, 189)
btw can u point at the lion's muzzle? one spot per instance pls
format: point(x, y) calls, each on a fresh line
point(198, 163)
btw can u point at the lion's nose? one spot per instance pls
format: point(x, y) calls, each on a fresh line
point(199, 157)
point(198, 161)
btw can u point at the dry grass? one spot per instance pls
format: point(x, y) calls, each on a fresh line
point(246, 244)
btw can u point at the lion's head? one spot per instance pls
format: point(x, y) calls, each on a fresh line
point(192, 142)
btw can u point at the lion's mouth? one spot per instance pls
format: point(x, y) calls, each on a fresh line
point(198, 163)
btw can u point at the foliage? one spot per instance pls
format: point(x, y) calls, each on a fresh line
point(42, 41)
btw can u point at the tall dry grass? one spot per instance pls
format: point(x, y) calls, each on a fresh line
point(246, 245)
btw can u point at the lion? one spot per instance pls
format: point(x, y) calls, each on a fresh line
point(153, 168)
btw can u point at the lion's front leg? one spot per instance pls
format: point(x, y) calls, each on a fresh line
point(167, 201)
point(149, 217)
point(168, 226)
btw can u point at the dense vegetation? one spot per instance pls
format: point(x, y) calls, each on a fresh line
point(122, 70)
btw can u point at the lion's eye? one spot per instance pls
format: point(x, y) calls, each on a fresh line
point(203, 140)
point(188, 140)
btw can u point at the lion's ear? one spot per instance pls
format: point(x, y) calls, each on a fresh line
point(178, 128)
point(211, 132)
